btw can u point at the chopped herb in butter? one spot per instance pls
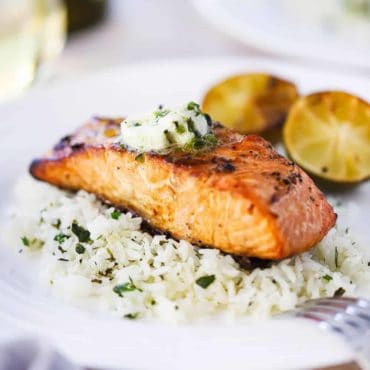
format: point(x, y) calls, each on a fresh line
point(187, 128)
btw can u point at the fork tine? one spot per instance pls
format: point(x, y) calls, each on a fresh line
point(347, 316)
point(334, 304)
point(327, 324)
point(345, 300)
point(363, 324)
point(360, 312)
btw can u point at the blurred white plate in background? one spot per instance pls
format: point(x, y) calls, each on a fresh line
point(304, 28)
point(33, 124)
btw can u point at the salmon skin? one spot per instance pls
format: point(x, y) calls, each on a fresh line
point(241, 196)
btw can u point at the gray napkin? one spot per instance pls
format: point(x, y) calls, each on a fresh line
point(32, 354)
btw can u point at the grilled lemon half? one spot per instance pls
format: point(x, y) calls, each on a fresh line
point(328, 134)
point(250, 103)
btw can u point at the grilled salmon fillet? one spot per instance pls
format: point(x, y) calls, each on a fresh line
point(241, 197)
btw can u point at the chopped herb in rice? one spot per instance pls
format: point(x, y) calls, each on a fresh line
point(82, 234)
point(327, 277)
point(157, 277)
point(60, 238)
point(80, 249)
point(115, 214)
point(126, 287)
point(205, 281)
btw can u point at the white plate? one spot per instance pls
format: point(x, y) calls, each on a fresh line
point(30, 126)
point(288, 28)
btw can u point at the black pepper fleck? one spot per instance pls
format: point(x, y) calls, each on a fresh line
point(77, 146)
point(274, 198)
point(223, 164)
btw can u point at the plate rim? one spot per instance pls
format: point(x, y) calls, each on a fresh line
point(250, 36)
point(110, 72)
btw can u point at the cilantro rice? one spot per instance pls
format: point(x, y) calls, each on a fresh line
point(91, 252)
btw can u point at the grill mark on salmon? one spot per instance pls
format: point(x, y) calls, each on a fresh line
point(241, 197)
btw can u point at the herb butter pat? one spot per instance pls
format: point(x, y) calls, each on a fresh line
point(165, 128)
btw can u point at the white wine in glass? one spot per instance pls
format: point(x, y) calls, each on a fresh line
point(32, 32)
point(52, 17)
point(18, 46)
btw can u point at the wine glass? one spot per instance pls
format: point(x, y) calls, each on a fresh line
point(32, 33)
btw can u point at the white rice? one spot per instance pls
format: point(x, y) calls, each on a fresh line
point(161, 273)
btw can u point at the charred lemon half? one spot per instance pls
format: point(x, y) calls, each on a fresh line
point(250, 103)
point(328, 134)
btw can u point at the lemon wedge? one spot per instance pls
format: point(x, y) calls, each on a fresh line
point(328, 134)
point(250, 103)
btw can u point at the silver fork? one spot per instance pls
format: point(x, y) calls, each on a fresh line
point(348, 317)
